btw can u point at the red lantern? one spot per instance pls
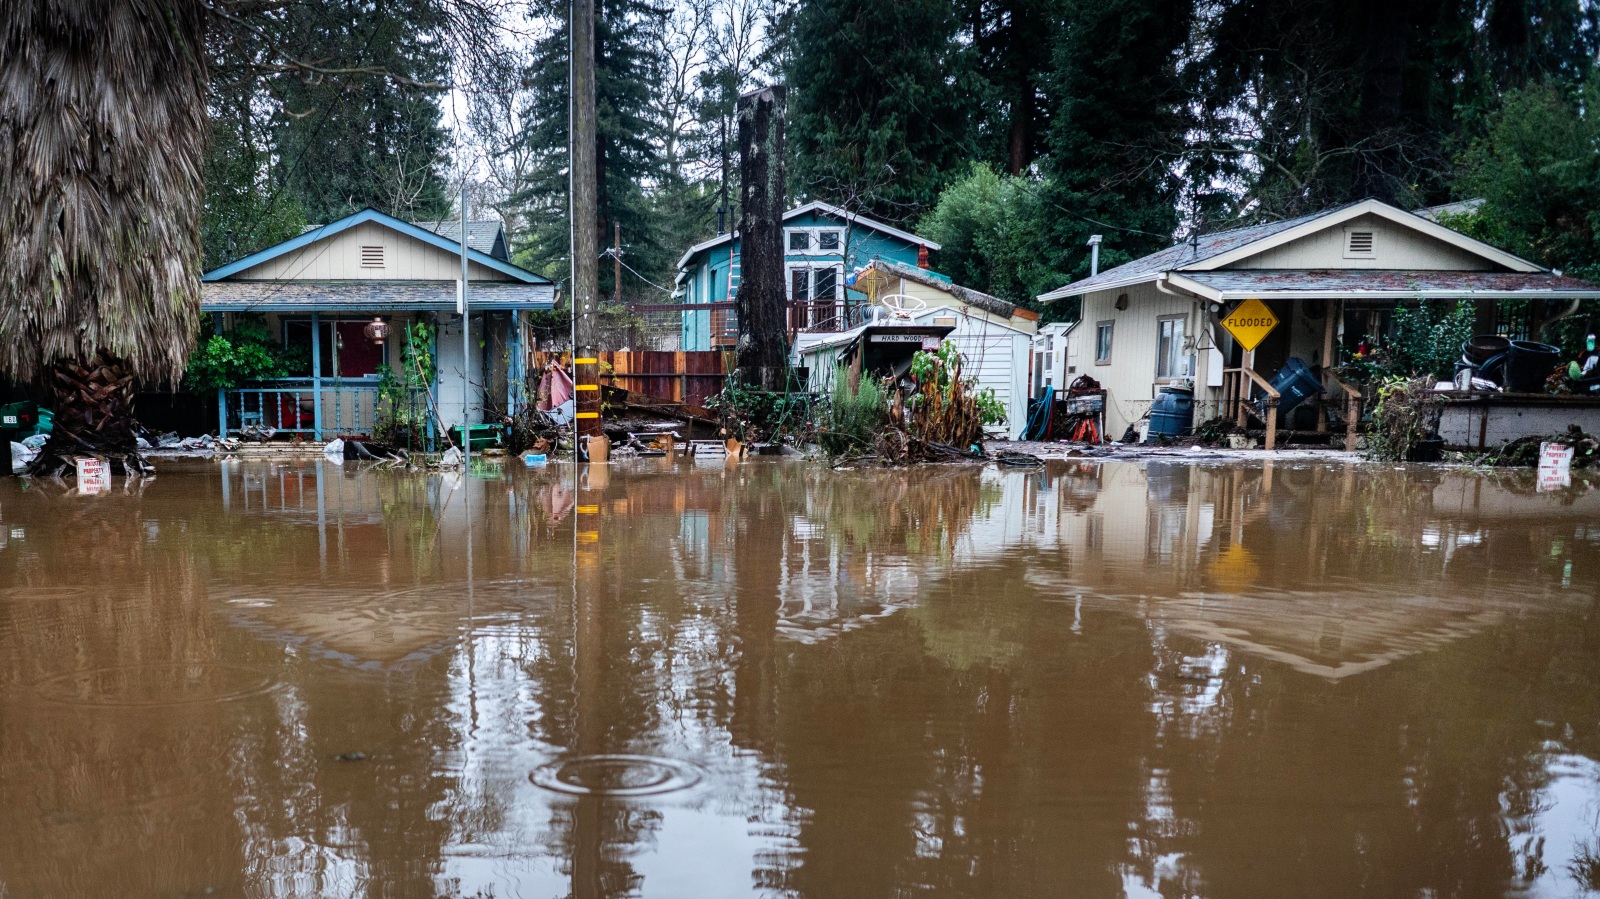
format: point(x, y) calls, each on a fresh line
point(377, 331)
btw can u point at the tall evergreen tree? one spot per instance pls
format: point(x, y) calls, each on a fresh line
point(1118, 131)
point(1011, 43)
point(627, 69)
point(876, 120)
point(1310, 103)
point(369, 135)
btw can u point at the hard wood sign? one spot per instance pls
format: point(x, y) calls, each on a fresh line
point(1250, 323)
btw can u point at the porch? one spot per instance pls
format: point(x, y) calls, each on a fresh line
point(349, 342)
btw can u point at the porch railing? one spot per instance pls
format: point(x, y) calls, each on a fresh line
point(1237, 384)
point(1238, 406)
point(298, 406)
point(823, 316)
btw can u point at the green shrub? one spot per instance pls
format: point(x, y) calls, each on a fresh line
point(248, 352)
point(853, 418)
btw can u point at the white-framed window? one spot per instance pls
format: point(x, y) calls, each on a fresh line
point(1102, 342)
point(1171, 361)
point(821, 240)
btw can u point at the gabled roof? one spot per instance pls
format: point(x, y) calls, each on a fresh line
point(372, 215)
point(485, 236)
point(1213, 251)
point(814, 206)
point(937, 281)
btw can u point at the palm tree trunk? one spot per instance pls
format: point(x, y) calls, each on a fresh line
point(93, 416)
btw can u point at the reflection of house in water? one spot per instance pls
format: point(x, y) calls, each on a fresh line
point(1306, 565)
point(367, 567)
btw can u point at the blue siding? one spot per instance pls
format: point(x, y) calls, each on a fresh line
point(709, 270)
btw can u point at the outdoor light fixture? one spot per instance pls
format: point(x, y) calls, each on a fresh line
point(377, 331)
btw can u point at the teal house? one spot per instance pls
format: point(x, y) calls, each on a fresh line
point(823, 245)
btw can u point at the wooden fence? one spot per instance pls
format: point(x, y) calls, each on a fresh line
point(687, 377)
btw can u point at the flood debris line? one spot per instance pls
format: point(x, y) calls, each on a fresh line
point(1524, 452)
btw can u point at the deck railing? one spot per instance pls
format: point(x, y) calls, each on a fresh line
point(1237, 404)
point(291, 405)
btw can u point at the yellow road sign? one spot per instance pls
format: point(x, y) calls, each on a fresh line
point(1250, 323)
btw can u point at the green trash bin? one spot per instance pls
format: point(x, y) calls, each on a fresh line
point(17, 421)
point(483, 436)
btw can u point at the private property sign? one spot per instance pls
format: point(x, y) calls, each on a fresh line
point(1250, 323)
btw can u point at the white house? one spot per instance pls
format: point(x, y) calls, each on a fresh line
point(1329, 278)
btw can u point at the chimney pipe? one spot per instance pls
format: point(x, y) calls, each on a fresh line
point(1094, 255)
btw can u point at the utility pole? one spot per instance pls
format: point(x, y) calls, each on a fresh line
point(585, 243)
point(466, 344)
point(762, 302)
point(616, 261)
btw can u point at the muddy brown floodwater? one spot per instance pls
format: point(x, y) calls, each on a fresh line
point(1216, 680)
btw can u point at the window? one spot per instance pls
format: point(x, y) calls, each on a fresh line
point(1360, 243)
point(1102, 343)
point(372, 257)
point(799, 240)
point(1170, 359)
point(800, 285)
point(828, 240)
point(826, 283)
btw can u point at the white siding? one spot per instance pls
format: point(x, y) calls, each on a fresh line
point(995, 356)
point(994, 348)
point(1130, 378)
point(338, 258)
point(1397, 249)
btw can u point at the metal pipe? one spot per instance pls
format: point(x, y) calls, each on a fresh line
point(1094, 255)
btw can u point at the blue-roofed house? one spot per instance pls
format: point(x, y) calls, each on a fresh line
point(822, 244)
point(323, 290)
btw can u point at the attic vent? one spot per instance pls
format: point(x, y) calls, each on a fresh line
point(1359, 245)
point(372, 257)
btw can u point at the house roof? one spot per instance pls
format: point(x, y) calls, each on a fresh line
point(814, 206)
point(486, 236)
point(1237, 284)
point(372, 215)
point(370, 296)
point(937, 281)
point(1209, 252)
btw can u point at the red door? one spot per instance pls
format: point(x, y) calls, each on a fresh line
point(358, 356)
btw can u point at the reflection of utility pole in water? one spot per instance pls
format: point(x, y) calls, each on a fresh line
point(588, 660)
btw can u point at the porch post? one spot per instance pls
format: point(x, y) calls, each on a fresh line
point(316, 376)
point(514, 385)
point(222, 395)
point(1244, 385)
point(1327, 365)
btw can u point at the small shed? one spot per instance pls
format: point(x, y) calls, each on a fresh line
point(994, 337)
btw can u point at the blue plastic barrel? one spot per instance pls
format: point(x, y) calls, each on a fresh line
point(1172, 414)
point(1295, 384)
